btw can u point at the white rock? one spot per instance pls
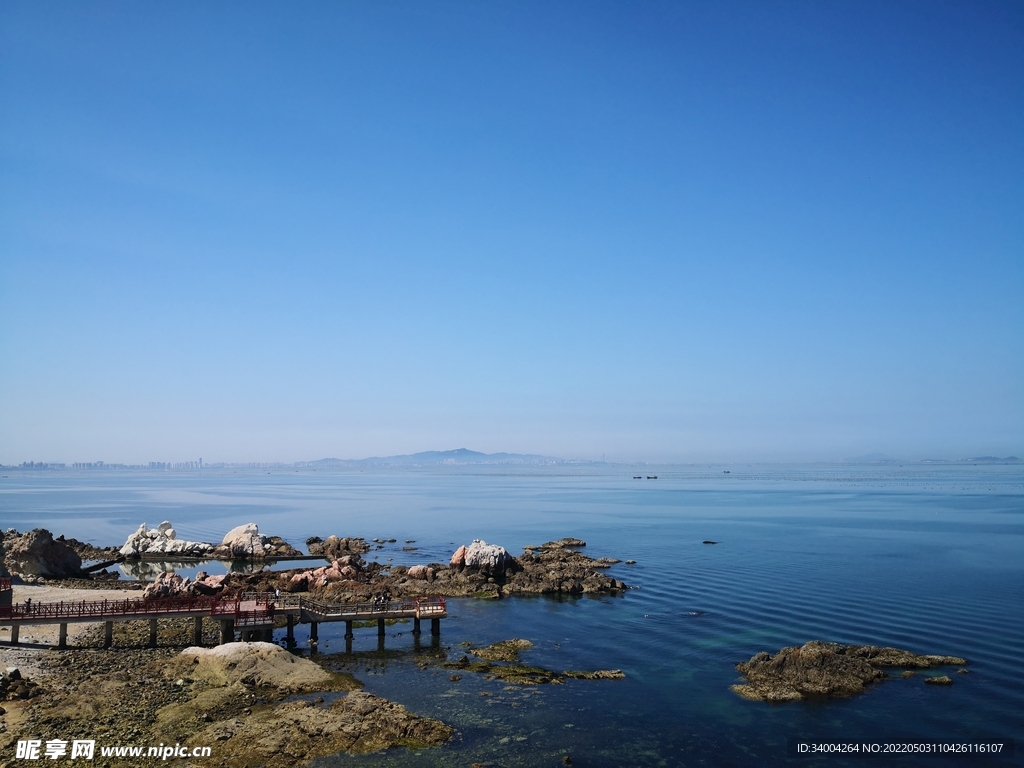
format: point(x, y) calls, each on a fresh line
point(487, 557)
point(161, 540)
point(245, 541)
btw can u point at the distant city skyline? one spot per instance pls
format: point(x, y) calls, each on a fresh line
point(431, 458)
point(654, 232)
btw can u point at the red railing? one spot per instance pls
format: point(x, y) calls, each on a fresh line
point(100, 609)
point(252, 608)
point(421, 607)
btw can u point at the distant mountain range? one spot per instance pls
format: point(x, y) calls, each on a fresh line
point(460, 456)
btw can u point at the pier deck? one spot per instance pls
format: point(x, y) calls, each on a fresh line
point(252, 613)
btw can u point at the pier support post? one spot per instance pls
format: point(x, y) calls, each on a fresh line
point(227, 631)
point(197, 631)
point(435, 626)
point(416, 626)
point(152, 633)
point(380, 628)
point(268, 634)
point(62, 639)
point(348, 645)
point(108, 634)
point(15, 630)
point(291, 629)
point(314, 638)
point(348, 630)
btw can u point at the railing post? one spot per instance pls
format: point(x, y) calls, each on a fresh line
point(227, 631)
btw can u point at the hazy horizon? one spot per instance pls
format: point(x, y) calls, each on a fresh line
point(513, 458)
point(655, 232)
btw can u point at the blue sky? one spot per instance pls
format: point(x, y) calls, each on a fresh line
point(656, 231)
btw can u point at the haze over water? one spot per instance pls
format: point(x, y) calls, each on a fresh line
point(929, 558)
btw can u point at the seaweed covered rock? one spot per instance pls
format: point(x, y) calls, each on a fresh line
point(824, 669)
point(557, 568)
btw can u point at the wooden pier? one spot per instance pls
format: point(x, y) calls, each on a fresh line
point(252, 614)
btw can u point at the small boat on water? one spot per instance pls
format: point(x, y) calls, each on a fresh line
point(652, 477)
point(637, 477)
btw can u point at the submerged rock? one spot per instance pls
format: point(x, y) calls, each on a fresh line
point(506, 650)
point(825, 669)
point(516, 673)
point(36, 553)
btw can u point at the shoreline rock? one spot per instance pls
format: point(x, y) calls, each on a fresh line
point(36, 554)
point(235, 697)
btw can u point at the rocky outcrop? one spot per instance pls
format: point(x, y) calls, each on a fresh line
point(334, 548)
point(36, 553)
point(556, 568)
point(13, 685)
point(421, 572)
point(162, 540)
point(484, 558)
point(245, 542)
point(553, 568)
point(88, 551)
point(210, 585)
point(825, 669)
point(3, 568)
point(168, 584)
point(347, 569)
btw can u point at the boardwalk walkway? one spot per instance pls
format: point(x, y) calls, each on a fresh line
point(253, 613)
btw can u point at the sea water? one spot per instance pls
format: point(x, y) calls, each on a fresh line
point(924, 557)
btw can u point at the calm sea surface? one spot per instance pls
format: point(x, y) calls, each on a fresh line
point(929, 558)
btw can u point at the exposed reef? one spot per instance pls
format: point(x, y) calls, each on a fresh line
point(826, 669)
point(240, 698)
point(516, 673)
